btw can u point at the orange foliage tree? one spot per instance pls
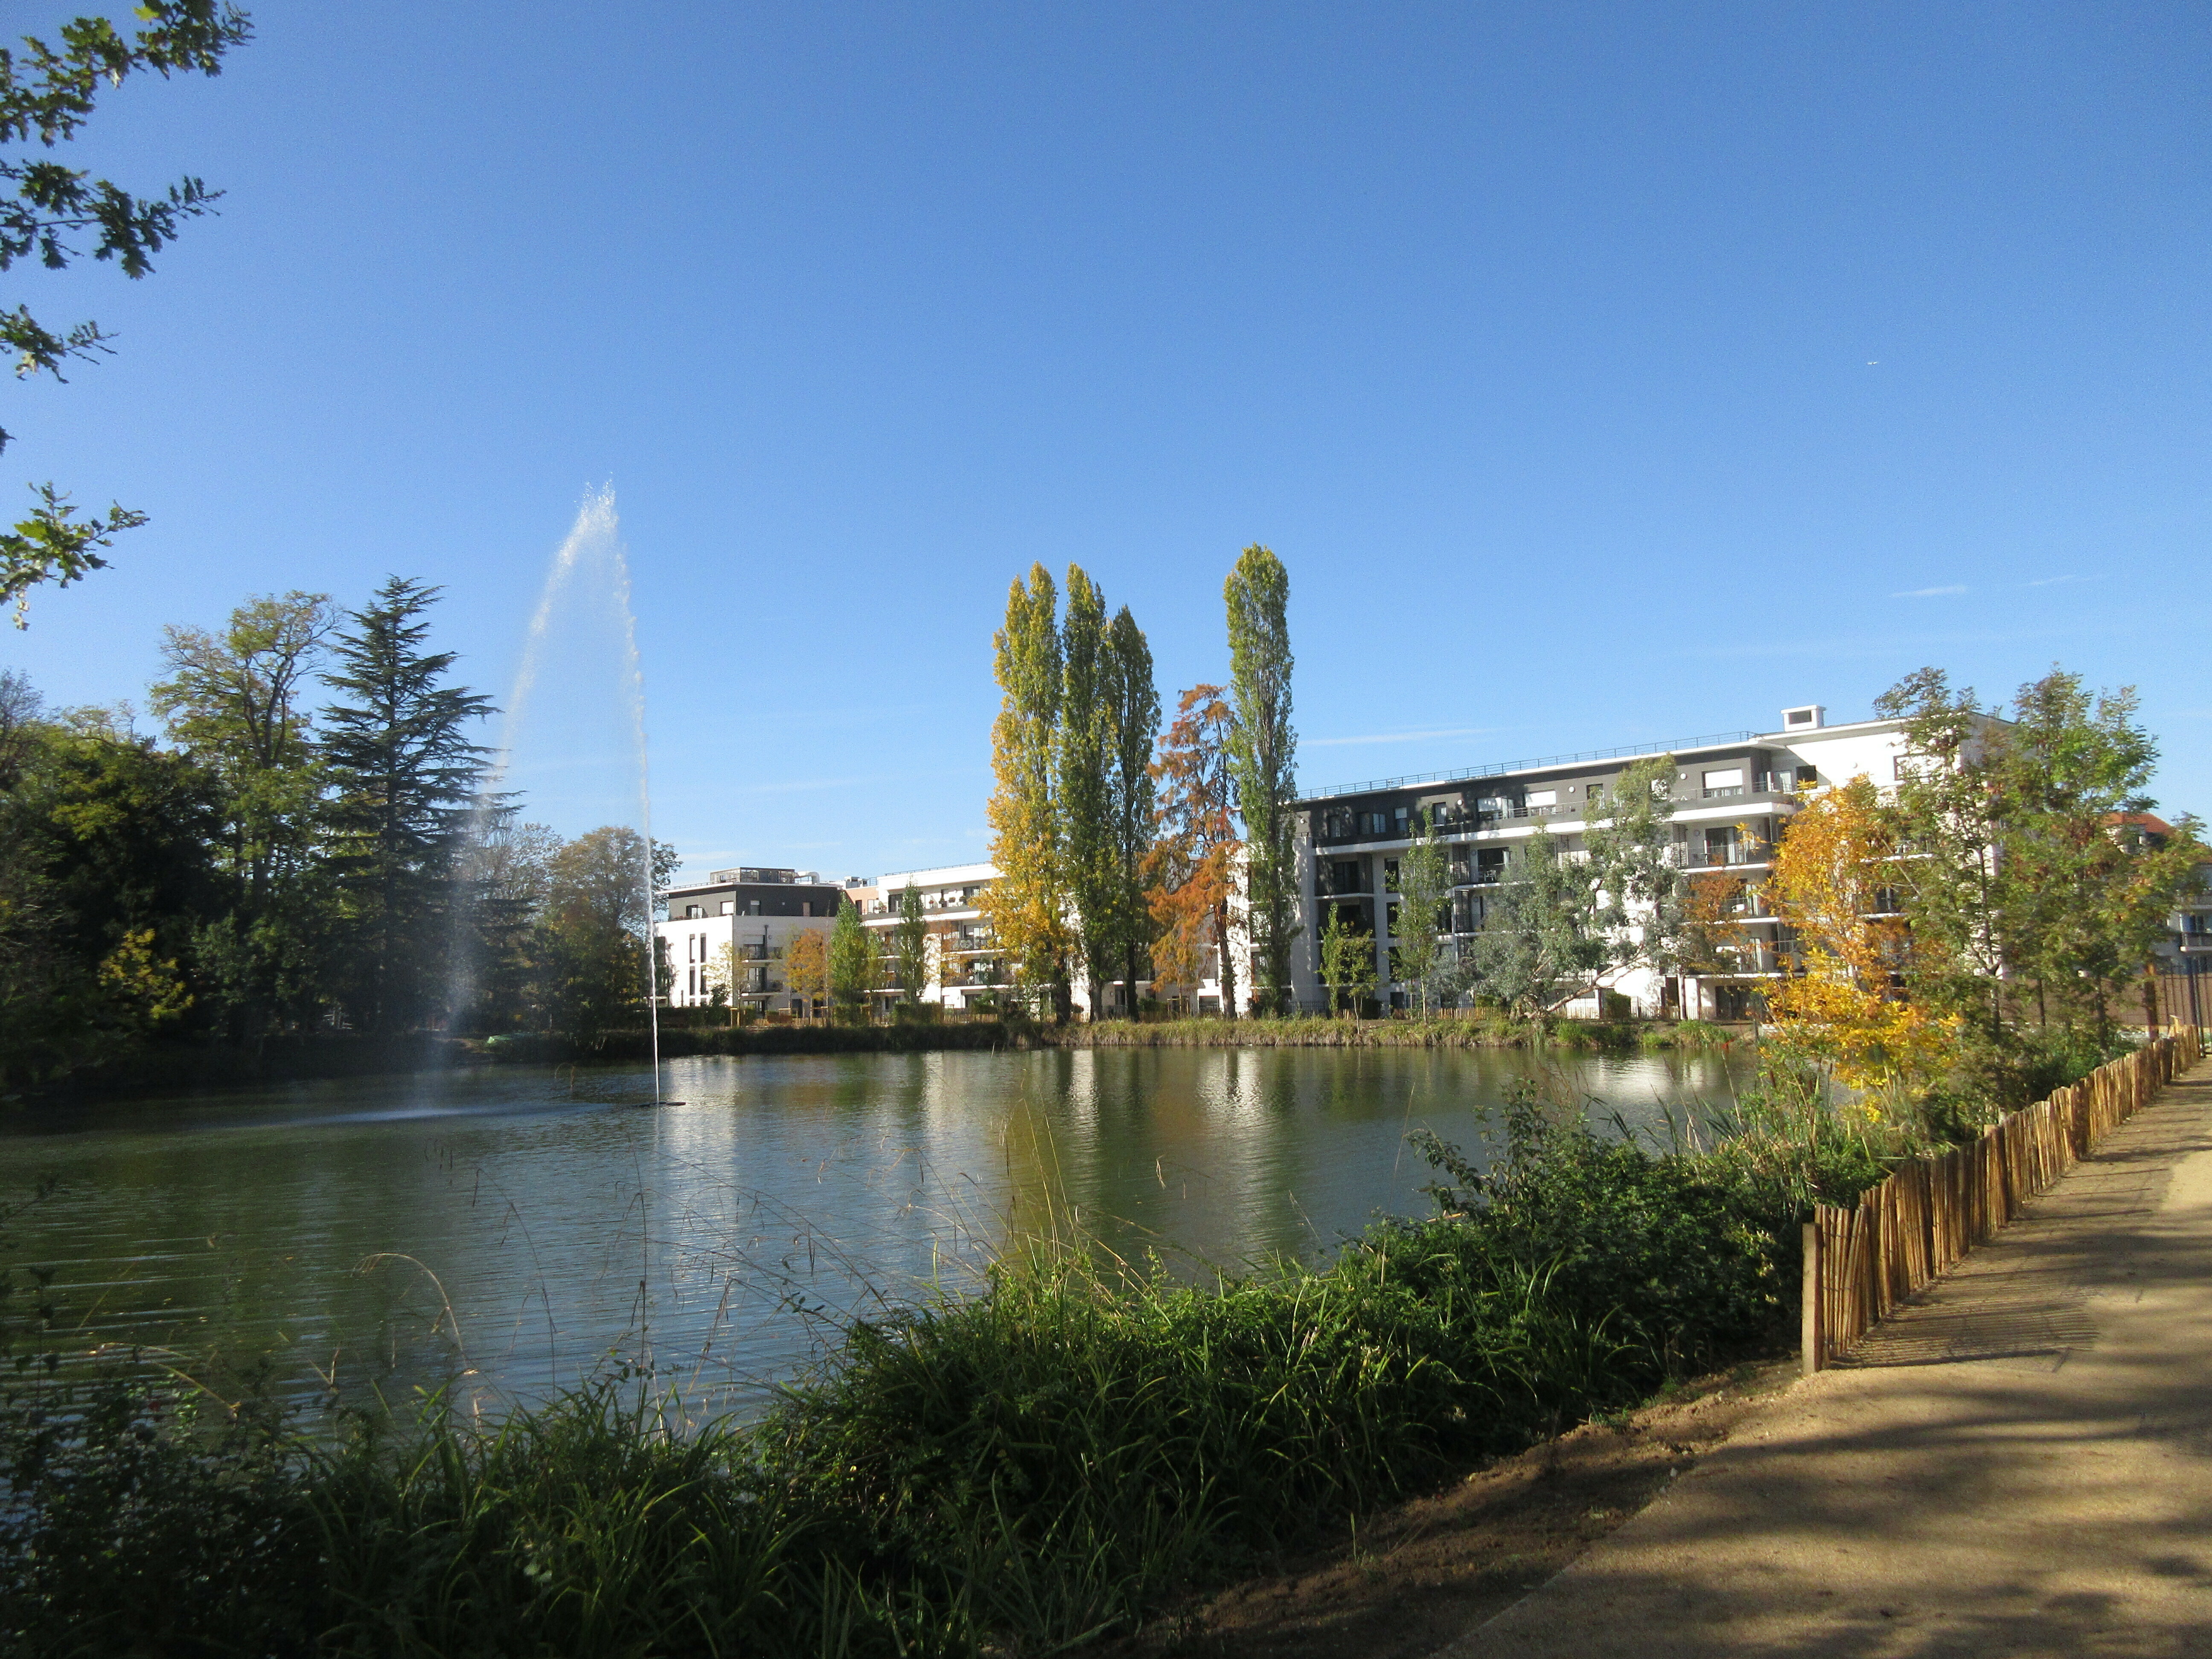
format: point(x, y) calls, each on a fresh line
point(1189, 871)
point(1838, 1002)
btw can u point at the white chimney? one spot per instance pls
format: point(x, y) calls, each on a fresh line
point(1810, 718)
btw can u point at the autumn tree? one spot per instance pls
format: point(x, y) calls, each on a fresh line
point(1263, 761)
point(1840, 1001)
point(1190, 868)
point(1027, 905)
point(46, 95)
point(806, 967)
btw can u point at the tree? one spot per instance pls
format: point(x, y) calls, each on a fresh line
point(1347, 961)
point(105, 873)
point(49, 94)
point(853, 964)
point(1540, 935)
point(2028, 864)
point(1263, 757)
point(910, 945)
point(405, 775)
point(1422, 915)
point(592, 934)
point(1134, 703)
point(506, 873)
point(1189, 869)
point(1643, 904)
point(1083, 761)
point(232, 702)
point(1841, 1001)
point(1027, 905)
point(725, 975)
point(806, 967)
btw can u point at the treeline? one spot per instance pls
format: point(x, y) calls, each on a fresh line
point(1119, 854)
point(267, 863)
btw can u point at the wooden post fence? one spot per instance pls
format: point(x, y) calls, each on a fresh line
point(1915, 1225)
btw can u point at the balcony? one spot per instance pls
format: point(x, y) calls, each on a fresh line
point(1738, 856)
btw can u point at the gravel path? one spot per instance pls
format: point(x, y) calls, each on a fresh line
point(2019, 1464)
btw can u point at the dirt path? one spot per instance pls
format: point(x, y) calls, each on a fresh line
point(2019, 1464)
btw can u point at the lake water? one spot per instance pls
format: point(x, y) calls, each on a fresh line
point(508, 1231)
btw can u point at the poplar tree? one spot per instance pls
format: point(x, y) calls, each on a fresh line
point(1083, 755)
point(910, 944)
point(1027, 905)
point(1134, 703)
point(853, 964)
point(1263, 757)
point(1424, 891)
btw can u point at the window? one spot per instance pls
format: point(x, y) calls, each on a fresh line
point(690, 913)
point(806, 907)
point(752, 907)
point(728, 908)
point(1808, 776)
point(1543, 798)
point(1730, 777)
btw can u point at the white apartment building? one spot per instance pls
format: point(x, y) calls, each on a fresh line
point(757, 909)
point(1733, 793)
point(965, 964)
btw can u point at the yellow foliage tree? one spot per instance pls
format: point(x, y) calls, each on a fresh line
point(806, 966)
point(1027, 905)
point(1840, 1001)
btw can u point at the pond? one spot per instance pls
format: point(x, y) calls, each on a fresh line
point(508, 1231)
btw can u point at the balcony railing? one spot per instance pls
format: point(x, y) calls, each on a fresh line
point(1719, 858)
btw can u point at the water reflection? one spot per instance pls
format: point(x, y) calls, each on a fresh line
point(506, 1232)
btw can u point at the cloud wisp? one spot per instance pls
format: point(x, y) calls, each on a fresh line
point(1930, 593)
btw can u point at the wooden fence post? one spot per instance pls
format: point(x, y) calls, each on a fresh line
point(1812, 1332)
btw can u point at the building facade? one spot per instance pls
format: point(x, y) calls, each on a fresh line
point(1732, 795)
point(758, 911)
point(965, 965)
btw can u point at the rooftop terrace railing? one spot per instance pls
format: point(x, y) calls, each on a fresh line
point(1716, 740)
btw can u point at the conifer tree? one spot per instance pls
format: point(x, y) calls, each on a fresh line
point(1263, 759)
point(405, 775)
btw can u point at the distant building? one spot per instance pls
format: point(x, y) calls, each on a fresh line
point(759, 911)
point(1732, 794)
point(965, 964)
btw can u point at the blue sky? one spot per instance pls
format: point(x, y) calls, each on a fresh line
point(1603, 374)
